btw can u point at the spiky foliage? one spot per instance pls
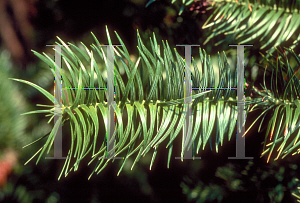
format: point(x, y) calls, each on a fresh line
point(156, 95)
point(281, 101)
point(266, 23)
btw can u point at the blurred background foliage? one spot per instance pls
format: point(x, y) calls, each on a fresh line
point(32, 24)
